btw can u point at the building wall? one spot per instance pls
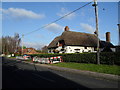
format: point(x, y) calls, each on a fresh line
point(118, 49)
point(50, 50)
point(78, 49)
point(29, 51)
point(73, 49)
point(113, 49)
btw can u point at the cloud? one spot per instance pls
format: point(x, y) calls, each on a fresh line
point(91, 29)
point(64, 12)
point(87, 27)
point(21, 13)
point(34, 45)
point(55, 28)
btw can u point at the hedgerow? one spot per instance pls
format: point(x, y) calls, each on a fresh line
point(110, 58)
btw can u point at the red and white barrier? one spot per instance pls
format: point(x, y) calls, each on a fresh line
point(50, 60)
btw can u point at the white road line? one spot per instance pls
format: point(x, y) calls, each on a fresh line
point(20, 68)
point(43, 77)
point(17, 69)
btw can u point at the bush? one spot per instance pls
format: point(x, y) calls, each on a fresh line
point(80, 58)
point(110, 58)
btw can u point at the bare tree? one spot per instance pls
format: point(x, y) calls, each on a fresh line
point(10, 44)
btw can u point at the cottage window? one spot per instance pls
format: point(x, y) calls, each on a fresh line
point(89, 50)
point(85, 47)
point(77, 49)
point(50, 51)
point(77, 52)
point(62, 49)
point(95, 49)
point(82, 50)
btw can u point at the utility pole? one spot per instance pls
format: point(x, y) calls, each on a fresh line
point(97, 33)
point(118, 34)
point(22, 43)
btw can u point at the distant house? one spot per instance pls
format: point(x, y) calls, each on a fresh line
point(77, 42)
point(117, 48)
point(44, 49)
point(29, 51)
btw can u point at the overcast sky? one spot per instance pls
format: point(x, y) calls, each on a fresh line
point(24, 17)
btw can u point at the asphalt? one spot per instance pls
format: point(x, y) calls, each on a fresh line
point(20, 74)
point(89, 73)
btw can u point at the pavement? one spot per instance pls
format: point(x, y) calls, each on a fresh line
point(83, 72)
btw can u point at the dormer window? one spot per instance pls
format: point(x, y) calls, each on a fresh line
point(61, 43)
point(85, 47)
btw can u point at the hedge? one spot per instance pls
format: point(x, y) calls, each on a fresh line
point(110, 58)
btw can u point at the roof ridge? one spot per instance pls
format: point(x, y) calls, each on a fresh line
point(79, 32)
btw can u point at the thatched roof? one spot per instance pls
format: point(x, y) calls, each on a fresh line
point(53, 44)
point(75, 39)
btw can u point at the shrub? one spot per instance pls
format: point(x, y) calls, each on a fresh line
point(110, 58)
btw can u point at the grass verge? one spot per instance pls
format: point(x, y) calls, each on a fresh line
point(12, 57)
point(108, 69)
point(29, 60)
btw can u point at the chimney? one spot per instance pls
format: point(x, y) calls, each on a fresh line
point(66, 28)
point(107, 36)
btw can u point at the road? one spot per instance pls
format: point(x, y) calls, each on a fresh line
point(17, 74)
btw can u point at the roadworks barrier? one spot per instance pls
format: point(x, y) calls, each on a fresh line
point(49, 60)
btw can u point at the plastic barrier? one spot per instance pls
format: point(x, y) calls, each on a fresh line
point(50, 60)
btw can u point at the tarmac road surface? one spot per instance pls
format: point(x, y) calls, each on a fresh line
point(17, 74)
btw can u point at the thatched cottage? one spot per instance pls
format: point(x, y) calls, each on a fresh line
point(77, 42)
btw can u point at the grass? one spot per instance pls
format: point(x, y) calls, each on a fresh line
point(29, 60)
point(12, 57)
point(108, 69)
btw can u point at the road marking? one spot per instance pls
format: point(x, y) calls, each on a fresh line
point(17, 69)
point(20, 68)
point(43, 77)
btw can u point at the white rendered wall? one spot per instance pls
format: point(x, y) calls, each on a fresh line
point(50, 50)
point(71, 49)
point(113, 49)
